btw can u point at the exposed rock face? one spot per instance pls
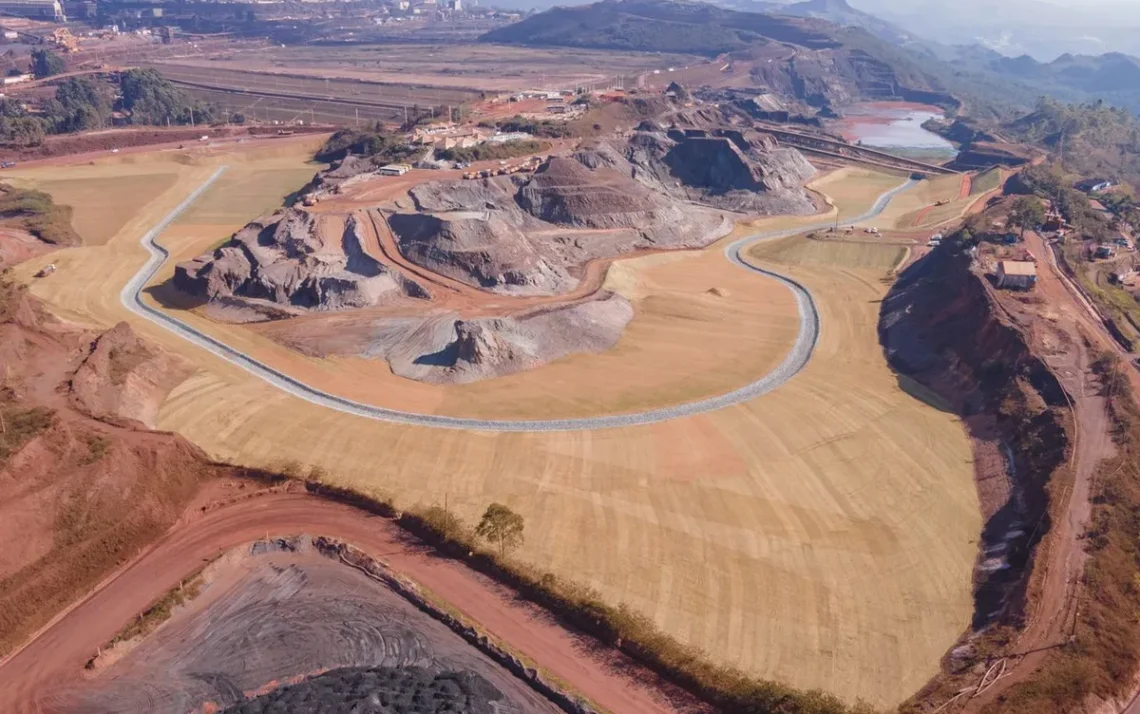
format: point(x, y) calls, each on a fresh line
point(486, 250)
point(566, 192)
point(342, 173)
point(532, 235)
point(292, 259)
point(121, 378)
point(740, 171)
point(506, 234)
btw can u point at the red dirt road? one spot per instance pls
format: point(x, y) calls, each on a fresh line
point(53, 661)
point(967, 186)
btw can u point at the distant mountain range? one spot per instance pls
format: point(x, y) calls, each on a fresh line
point(1038, 28)
point(834, 65)
point(848, 54)
point(837, 11)
point(1113, 76)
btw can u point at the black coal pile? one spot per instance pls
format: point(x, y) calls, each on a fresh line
point(379, 690)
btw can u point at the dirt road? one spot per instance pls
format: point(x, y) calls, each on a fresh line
point(381, 245)
point(54, 660)
point(967, 186)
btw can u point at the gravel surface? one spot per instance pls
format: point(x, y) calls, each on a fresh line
point(796, 360)
point(271, 617)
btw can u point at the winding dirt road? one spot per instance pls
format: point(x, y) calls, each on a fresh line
point(33, 678)
point(796, 360)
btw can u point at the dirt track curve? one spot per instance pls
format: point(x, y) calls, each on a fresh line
point(796, 360)
point(36, 678)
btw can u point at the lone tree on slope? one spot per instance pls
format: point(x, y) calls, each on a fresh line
point(501, 525)
point(1026, 213)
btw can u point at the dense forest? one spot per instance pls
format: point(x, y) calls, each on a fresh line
point(142, 96)
point(1091, 139)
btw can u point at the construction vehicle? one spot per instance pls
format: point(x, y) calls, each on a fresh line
point(63, 39)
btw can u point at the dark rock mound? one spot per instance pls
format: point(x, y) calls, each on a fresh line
point(379, 690)
point(486, 250)
point(566, 192)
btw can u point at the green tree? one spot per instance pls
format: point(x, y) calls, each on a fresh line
point(502, 526)
point(1026, 213)
point(79, 104)
point(46, 63)
point(22, 131)
point(152, 99)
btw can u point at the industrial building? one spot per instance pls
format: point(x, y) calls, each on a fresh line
point(33, 9)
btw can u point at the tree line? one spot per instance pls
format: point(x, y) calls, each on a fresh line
point(143, 96)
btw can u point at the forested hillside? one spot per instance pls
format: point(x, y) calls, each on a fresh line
point(1094, 139)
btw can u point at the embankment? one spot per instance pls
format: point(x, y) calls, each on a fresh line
point(950, 342)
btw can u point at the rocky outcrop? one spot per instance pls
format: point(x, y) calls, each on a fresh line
point(293, 258)
point(734, 170)
point(939, 327)
point(485, 249)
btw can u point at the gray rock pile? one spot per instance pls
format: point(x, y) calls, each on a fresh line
point(290, 259)
point(450, 350)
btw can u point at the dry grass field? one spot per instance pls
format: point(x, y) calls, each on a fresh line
point(853, 190)
point(906, 207)
point(101, 208)
point(379, 82)
point(822, 534)
point(798, 251)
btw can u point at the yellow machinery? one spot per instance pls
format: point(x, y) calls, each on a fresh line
point(63, 39)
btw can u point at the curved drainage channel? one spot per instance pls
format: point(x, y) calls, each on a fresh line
point(801, 352)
